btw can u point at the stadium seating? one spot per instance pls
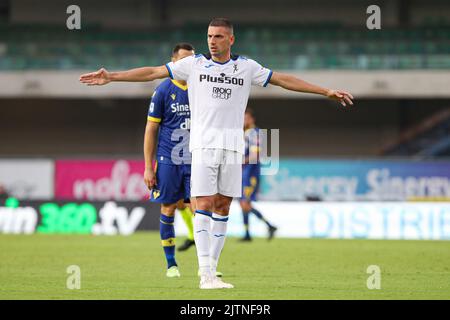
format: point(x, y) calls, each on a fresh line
point(281, 47)
point(430, 138)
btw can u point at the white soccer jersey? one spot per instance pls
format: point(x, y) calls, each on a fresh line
point(218, 95)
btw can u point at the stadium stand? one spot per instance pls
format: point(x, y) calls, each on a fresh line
point(429, 138)
point(290, 47)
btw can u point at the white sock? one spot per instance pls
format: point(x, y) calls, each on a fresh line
point(218, 234)
point(202, 230)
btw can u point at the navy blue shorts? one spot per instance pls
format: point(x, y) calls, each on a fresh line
point(250, 182)
point(173, 182)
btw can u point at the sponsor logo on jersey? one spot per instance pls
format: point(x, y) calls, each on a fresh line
point(186, 125)
point(177, 107)
point(221, 93)
point(173, 96)
point(222, 79)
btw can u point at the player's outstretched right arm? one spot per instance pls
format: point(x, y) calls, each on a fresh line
point(103, 76)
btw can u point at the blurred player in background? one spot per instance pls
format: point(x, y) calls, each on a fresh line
point(251, 171)
point(169, 182)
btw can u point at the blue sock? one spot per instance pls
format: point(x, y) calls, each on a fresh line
point(246, 215)
point(167, 232)
point(259, 216)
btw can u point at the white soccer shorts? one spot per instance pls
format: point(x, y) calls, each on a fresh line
point(216, 171)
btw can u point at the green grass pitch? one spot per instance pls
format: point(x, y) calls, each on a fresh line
point(133, 267)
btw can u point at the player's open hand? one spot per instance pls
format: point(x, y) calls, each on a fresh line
point(97, 78)
point(149, 178)
point(343, 97)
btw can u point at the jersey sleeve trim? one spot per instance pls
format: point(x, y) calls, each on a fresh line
point(153, 119)
point(170, 71)
point(268, 79)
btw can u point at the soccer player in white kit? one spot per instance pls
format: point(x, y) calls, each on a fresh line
point(219, 86)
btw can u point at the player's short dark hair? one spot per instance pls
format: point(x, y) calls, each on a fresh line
point(221, 22)
point(182, 45)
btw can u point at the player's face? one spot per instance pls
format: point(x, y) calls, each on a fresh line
point(182, 53)
point(248, 120)
point(220, 41)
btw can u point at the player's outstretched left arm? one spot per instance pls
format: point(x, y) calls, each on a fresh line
point(103, 76)
point(292, 83)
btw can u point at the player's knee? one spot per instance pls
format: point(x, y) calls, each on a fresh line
point(168, 209)
point(222, 209)
point(192, 205)
point(181, 205)
point(245, 206)
point(205, 203)
point(222, 205)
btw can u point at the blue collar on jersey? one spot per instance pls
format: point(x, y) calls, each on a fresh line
point(233, 57)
